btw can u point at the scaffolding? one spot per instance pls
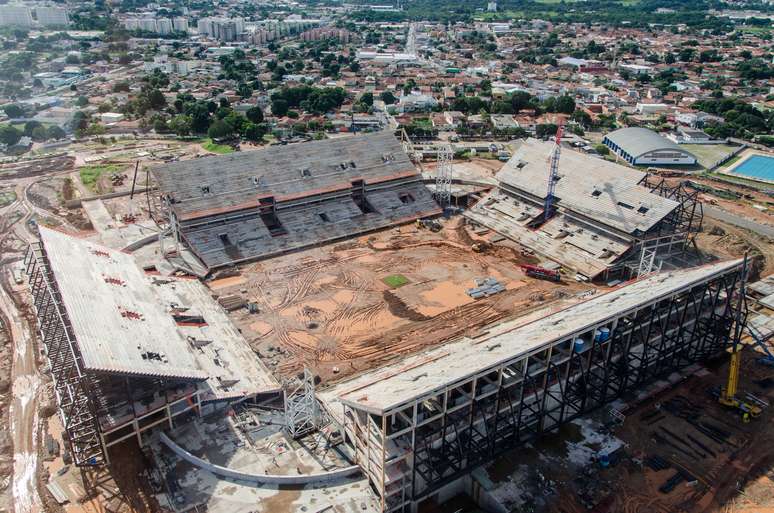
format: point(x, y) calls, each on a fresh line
point(72, 385)
point(443, 177)
point(302, 413)
point(409, 452)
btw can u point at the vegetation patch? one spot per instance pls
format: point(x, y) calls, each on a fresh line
point(90, 174)
point(395, 280)
point(7, 197)
point(214, 147)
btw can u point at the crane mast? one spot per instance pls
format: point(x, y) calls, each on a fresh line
point(552, 174)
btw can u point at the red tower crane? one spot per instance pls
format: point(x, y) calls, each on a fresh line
point(552, 174)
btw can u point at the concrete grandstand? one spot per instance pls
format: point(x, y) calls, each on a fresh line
point(251, 205)
point(605, 214)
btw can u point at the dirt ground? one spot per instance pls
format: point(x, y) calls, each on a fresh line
point(36, 167)
point(753, 204)
point(732, 473)
point(50, 194)
point(727, 241)
point(329, 308)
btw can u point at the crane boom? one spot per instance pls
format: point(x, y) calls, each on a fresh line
point(552, 174)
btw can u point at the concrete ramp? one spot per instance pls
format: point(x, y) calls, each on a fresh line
point(260, 479)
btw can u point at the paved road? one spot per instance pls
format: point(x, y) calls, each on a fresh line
point(742, 222)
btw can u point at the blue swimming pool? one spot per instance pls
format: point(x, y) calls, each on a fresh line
point(757, 166)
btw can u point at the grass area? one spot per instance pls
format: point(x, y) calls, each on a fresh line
point(395, 280)
point(90, 174)
point(7, 197)
point(423, 123)
point(731, 161)
point(737, 180)
point(708, 154)
point(221, 149)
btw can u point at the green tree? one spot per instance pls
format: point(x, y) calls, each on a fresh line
point(55, 132)
point(180, 124)
point(156, 99)
point(387, 97)
point(255, 114)
point(29, 126)
point(82, 101)
point(253, 131)
point(565, 104)
point(9, 135)
point(279, 107)
point(244, 90)
point(160, 125)
point(13, 111)
point(39, 133)
point(367, 99)
point(520, 100)
point(220, 129)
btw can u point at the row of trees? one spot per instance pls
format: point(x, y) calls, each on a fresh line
point(10, 135)
point(514, 103)
point(740, 119)
point(311, 99)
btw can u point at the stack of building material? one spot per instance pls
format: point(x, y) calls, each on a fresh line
point(232, 302)
point(485, 287)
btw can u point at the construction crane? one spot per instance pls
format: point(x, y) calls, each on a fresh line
point(553, 174)
point(727, 397)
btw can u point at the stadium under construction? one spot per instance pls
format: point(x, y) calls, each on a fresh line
point(141, 354)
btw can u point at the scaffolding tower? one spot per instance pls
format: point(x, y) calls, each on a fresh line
point(443, 177)
point(302, 413)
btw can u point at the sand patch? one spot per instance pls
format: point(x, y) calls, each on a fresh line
point(303, 338)
point(344, 296)
point(231, 281)
point(442, 297)
point(261, 328)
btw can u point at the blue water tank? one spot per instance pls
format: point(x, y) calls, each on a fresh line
point(578, 344)
point(597, 336)
point(604, 459)
point(604, 334)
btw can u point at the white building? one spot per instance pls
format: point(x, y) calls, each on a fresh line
point(637, 69)
point(491, 7)
point(164, 26)
point(180, 24)
point(643, 147)
point(417, 102)
point(651, 108)
point(15, 16)
point(52, 16)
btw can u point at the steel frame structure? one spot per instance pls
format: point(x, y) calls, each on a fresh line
point(72, 385)
point(443, 177)
point(302, 413)
point(413, 450)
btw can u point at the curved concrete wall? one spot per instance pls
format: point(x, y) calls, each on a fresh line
point(325, 477)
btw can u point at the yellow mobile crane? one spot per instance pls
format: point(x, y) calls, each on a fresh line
point(728, 393)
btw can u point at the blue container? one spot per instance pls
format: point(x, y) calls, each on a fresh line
point(597, 336)
point(604, 334)
point(578, 344)
point(604, 460)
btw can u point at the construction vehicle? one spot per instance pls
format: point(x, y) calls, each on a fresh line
point(480, 247)
point(727, 395)
point(430, 224)
point(541, 273)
